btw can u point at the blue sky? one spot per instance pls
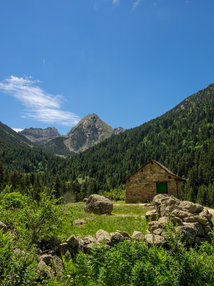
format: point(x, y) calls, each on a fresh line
point(129, 61)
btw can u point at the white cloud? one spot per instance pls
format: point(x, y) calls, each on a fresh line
point(136, 4)
point(115, 2)
point(39, 105)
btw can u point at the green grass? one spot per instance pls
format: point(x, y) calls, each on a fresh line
point(110, 223)
point(130, 209)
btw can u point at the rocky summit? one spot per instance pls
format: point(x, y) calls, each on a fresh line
point(40, 135)
point(90, 131)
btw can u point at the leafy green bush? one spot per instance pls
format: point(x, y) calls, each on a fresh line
point(16, 267)
point(13, 200)
point(35, 220)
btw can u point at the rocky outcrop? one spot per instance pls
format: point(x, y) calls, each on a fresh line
point(40, 135)
point(98, 205)
point(191, 220)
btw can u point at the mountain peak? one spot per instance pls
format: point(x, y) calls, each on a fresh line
point(89, 131)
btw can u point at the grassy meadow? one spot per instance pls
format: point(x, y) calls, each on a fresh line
point(124, 217)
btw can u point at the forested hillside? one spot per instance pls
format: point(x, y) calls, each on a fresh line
point(182, 140)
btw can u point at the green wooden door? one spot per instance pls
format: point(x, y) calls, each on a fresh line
point(162, 188)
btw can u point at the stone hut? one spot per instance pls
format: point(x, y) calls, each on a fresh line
point(151, 179)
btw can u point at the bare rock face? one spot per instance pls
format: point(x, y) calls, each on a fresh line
point(88, 132)
point(98, 205)
point(191, 219)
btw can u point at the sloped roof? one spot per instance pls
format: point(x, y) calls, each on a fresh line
point(177, 178)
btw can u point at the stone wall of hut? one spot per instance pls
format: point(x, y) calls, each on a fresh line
point(141, 187)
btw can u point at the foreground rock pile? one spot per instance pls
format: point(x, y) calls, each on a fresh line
point(192, 220)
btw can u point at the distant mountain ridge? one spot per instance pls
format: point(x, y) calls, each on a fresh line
point(90, 131)
point(39, 134)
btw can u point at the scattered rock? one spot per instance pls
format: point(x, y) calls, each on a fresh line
point(79, 222)
point(116, 238)
point(124, 234)
point(72, 241)
point(137, 235)
point(155, 239)
point(63, 248)
point(102, 235)
point(57, 265)
point(3, 226)
point(152, 215)
point(44, 271)
point(46, 258)
point(99, 205)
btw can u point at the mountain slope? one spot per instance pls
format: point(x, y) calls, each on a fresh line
point(9, 137)
point(181, 139)
point(17, 153)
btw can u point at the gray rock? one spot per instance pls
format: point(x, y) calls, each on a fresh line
point(87, 247)
point(137, 235)
point(206, 213)
point(181, 214)
point(63, 248)
point(72, 241)
point(88, 239)
point(3, 226)
point(102, 235)
point(153, 225)
point(124, 234)
point(155, 239)
point(176, 220)
point(188, 231)
point(163, 221)
point(46, 258)
point(152, 215)
point(207, 227)
point(190, 207)
point(44, 271)
point(99, 205)
point(79, 222)
point(158, 231)
point(57, 265)
point(116, 238)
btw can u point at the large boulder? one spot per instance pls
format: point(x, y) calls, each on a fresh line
point(98, 205)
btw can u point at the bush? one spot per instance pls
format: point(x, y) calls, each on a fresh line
point(135, 263)
point(13, 200)
point(16, 267)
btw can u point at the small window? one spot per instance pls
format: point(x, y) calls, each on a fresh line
point(162, 188)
